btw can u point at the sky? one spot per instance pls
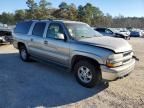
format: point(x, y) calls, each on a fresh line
point(126, 8)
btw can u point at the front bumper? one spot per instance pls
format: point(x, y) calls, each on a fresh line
point(111, 74)
point(5, 39)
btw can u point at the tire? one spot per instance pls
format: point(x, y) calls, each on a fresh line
point(24, 54)
point(90, 76)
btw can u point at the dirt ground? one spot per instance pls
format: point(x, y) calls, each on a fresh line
point(39, 85)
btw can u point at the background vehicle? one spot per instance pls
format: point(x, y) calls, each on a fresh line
point(105, 32)
point(76, 46)
point(124, 32)
point(5, 35)
point(113, 32)
point(136, 33)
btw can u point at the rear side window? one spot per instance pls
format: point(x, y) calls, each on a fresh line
point(23, 27)
point(39, 29)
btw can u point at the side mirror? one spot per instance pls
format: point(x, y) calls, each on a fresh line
point(60, 36)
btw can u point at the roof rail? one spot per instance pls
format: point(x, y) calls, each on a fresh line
point(50, 19)
point(39, 19)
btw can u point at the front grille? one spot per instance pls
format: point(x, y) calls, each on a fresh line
point(127, 56)
point(127, 53)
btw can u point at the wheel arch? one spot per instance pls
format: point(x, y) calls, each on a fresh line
point(19, 44)
point(77, 58)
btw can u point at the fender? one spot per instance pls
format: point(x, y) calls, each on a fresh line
point(86, 54)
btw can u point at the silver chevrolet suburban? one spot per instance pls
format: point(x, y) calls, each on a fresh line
point(76, 46)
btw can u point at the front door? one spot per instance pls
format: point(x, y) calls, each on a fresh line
point(57, 48)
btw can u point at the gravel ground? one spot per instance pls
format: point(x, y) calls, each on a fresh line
point(39, 85)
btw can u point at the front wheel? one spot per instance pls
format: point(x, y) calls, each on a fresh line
point(23, 53)
point(87, 74)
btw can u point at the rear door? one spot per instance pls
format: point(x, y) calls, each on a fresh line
point(37, 39)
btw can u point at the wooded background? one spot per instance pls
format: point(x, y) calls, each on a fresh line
point(87, 13)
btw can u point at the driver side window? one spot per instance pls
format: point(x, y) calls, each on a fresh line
point(54, 30)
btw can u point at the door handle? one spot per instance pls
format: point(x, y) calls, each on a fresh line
point(45, 42)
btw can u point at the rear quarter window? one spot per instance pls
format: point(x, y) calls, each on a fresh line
point(23, 27)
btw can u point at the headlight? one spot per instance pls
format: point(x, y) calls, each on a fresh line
point(114, 60)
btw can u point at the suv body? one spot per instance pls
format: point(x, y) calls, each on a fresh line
point(76, 46)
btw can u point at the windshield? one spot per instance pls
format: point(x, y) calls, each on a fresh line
point(79, 30)
point(114, 30)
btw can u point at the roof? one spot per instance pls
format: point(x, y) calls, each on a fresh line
point(64, 21)
point(67, 21)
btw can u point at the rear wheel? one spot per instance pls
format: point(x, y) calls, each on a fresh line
point(23, 53)
point(87, 74)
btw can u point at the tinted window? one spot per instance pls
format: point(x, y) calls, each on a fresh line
point(39, 29)
point(23, 27)
point(54, 29)
point(100, 30)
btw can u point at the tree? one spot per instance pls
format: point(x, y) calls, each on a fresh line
point(62, 12)
point(63, 5)
point(44, 8)
point(66, 11)
point(81, 13)
point(33, 8)
point(20, 15)
point(7, 18)
point(72, 5)
point(107, 20)
point(89, 13)
point(72, 12)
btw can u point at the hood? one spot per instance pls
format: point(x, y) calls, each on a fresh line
point(116, 44)
point(124, 33)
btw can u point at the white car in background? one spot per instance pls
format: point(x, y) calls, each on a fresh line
point(142, 32)
point(124, 31)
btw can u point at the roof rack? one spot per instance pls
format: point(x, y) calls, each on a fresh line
point(39, 19)
point(49, 19)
